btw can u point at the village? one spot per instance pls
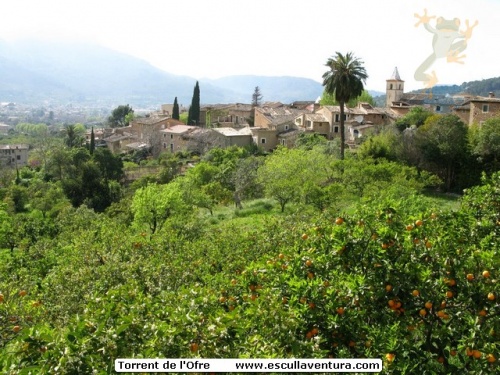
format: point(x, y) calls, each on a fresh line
point(271, 124)
point(277, 124)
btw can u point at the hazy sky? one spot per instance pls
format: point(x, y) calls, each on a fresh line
point(202, 38)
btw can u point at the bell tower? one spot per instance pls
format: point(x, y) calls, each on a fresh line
point(394, 88)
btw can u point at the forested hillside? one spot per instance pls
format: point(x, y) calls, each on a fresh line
point(241, 254)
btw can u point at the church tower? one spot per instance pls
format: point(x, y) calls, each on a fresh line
point(394, 89)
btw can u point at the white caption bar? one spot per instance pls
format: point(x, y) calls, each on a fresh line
point(248, 365)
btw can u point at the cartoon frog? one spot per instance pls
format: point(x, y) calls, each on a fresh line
point(448, 41)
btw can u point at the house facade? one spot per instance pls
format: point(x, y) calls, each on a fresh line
point(14, 156)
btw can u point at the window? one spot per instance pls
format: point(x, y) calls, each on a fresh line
point(390, 86)
point(18, 157)
point(438, 108)
point(263, 140)
point(171, 147)
point(286, 127)
point(336, 129)
point(171, 136)
point(337, 118)
point(486, 108)
point(282, 141)
point(164, 145)
point(309, 124)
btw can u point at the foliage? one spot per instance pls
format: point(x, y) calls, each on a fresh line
point(120, 116)
point(415, 116)
point(194, 109)
point(175, 110)
point(344, 80)
point(486, 144)
point(365, 97)
point(256, 97)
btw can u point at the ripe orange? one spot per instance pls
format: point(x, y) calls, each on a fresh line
point(339, 221)
point(281, 255)
point(476, 354)
point(312, 305)
point(470, 276)
point(428, 305)
point(388, 287)
point(419, 223)
point(304, 236)
point(390, 357)
point(486, 274)
point(490, 358)
point(440, 359)
point(441, 314)
point(416, 241)
point(469, 352)
point(428, 244)
point(314, 331)
point(22, 293)
point(409, 227)
point(491, 296)
point(415, 293)
point(193, 347)
point(352, 344)
point(453, 353)
point(253, 297)
point(1, 297)
point(222, 299)
point(423, 312)
point(309, 263)
point(16, 329)
point(391, 303)
point(449, 294)
point(483, 312)
point(385, 246)
point(340, 310)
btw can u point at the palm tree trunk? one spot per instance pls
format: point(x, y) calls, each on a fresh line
point(342, 131)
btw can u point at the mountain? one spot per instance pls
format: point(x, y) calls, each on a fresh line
point(36, 72)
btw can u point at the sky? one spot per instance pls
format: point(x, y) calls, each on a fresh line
point(216, 38)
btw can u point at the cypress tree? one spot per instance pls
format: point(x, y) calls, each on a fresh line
point(194, 110)
point(92, 141)
point(175, 110)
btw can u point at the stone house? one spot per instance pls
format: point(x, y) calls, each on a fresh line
point(225, 115)
point(15, 156)
point(177, 137)
point(478, 109)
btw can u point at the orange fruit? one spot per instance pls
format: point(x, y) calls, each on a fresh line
point(428, 244)
point(476, 354)
point(222, 299)
point(449, 294)
point(470, 277)
point(490, 358)
point(1, 297)
point(310, 275)
point(312, 305)
point(385, 245)
point(309, 263)
point(281, 255)
point(415, 293)
point(440, 359)
point(469, 352)
point(339, 221)
point(419, 223)
point(340, 310)
point(423, 312)
point(482, 313)
point(409, 227)
point(16, 329)
point(304, 236)
point(390, 357)
point(314, 331)
point(352, 344)
point(193, 347)
point(453, 353)
point(388, 287)
point(428, 305)
point(22, 293)
point(491, 296)
point(391, 303)
point(486, 274)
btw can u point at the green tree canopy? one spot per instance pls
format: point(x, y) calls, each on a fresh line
point(120, 116)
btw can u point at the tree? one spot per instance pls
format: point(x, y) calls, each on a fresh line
point(256, 97)
point(416, 116)
point(365, 97)
point(175, 110)
point(442, 141)
point(486, 144)
point(194, 110)
point(73, 135)
point(92, 141)
point(345, 81)
point(153, 204)
point(121, 116)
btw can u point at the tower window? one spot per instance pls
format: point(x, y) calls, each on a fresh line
point(390, 86)
point(486, 108)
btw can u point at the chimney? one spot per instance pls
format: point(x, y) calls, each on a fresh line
point(491, 94)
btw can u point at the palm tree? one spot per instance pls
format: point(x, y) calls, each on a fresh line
point(345, 81)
